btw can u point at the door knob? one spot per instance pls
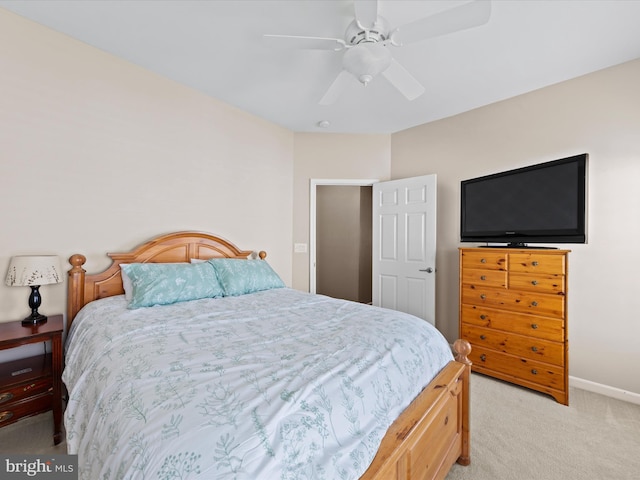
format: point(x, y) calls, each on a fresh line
point(428, 270)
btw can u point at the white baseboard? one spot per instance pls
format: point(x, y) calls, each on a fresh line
point(604, 390)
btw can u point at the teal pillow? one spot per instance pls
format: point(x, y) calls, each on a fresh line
point(166, 283)
point(239, 276)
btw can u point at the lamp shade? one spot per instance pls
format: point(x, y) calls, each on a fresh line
point(29, 270)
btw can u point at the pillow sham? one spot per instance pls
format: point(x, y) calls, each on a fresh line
point(167, 283)
point(240, 276)
point(126, 282)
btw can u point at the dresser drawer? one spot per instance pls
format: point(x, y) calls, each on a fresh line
point(488, 278)
point(519, 345)
point(537, 263)
point(529, 325)
point(523, 302)
point(487, 360)
point(484, 259)
point(537, 282)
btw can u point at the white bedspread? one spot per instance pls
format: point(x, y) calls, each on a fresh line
point(278, 384)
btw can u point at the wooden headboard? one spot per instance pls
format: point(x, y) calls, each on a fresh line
point(170, 248)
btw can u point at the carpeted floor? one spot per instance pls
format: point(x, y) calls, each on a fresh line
point(516, 434)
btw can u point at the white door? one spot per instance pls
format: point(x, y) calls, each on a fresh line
point(404, 246)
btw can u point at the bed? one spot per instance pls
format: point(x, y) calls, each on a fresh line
point(257, 382)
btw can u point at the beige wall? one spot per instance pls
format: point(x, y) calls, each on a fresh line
point(98, 155)
point(598, 114)
point(330, 156)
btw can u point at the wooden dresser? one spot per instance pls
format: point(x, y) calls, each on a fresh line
point(513, 311)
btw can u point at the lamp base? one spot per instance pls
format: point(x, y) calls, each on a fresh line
point(34, 319)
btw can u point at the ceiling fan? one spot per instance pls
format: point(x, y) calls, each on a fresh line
point(368, 38)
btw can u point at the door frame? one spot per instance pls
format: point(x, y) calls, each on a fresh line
point(313, 184)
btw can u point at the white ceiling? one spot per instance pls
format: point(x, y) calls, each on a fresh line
point(217, 47)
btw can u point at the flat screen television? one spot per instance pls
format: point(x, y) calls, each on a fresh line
point(543, 203)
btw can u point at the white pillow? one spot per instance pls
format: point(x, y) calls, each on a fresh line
point(126, 283)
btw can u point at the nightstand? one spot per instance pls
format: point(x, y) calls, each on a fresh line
point(33, 385)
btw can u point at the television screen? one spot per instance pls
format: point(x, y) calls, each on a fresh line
point(544, 203)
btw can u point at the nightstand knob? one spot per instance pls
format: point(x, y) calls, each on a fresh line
point(534, 371)
point(483, 296)
point(6, 415)
point(534, 304)
point(483, 317)
point(534, 325)
point(483, 357)
point(483, 337)
point(483, 260)
point(483, 277)
point(534, 263)
point(5, 397)
point(534, 349)
point(534, 282)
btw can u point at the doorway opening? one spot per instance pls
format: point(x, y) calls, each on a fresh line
point(340, 246)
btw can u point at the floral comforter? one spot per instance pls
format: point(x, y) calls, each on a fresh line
point(278, 384)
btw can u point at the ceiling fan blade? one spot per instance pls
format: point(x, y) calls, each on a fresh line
point(336, 89)
point(309, 43)
point(403, 81)
point(469, 15)
point(366, 12)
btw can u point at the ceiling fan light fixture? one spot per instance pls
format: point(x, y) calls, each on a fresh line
point(366, 60)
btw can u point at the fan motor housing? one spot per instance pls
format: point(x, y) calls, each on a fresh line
point(357, 34)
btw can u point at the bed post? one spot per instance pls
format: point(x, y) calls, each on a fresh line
point(75, 298)
point(462, 349)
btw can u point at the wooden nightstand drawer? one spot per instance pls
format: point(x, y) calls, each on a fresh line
point(519, 345)
point(33, 405)
point(25, 377)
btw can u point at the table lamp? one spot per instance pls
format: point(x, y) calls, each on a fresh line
point(34, 271)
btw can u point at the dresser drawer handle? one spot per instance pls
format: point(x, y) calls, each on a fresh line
point(483, 296)
point(534, 326)
point(483, 277)
point(534, 371)
point(534, 348)
point(534, 304)
point(5, 397)
point(6, 415)
point(483, 357)
point(483, 317)
point(534, 263)
point(534, 282)
point(483, 260)
point(483, 337)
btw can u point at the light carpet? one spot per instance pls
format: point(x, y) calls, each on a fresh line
point(519, 434)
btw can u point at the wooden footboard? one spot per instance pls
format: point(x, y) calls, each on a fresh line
point(433, 432)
